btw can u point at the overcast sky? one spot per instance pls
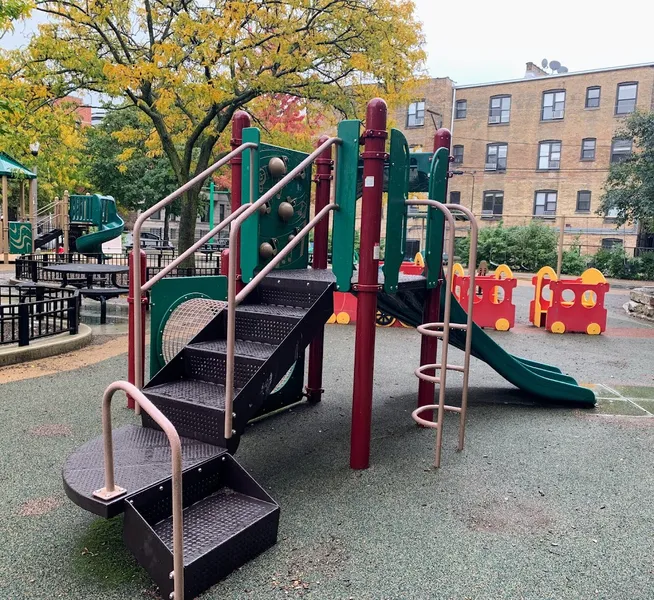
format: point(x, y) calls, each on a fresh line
point(479, 40)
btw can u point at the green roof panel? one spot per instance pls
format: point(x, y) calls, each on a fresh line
point(10, 167)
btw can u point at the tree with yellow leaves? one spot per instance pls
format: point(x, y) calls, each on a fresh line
point(189, 65)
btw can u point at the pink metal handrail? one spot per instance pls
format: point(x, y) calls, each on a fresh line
point(232, 298)
point(111, 490)
point(426, 329)
point(136, 238)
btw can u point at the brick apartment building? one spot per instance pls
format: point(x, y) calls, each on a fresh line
point(538, 147)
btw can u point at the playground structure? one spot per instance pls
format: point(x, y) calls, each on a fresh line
point(573, 306)
point(16, 237)
point(230, 348)
point(81, 222)
point(493, 298)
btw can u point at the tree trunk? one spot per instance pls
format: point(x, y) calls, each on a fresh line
point(188, 218)
point(166, 231)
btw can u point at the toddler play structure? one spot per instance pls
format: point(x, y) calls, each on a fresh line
point(493, 298)
point(230, 348)
point(571, 305)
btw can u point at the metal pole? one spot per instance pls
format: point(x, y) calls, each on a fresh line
point(212, 186)
point(66, 220)
point(132, 376)
point(323, 179)
point(5, 220)
point(364, 349)
point(559, 258)
point(32, 209)
point(431, 312)
point(240, 121)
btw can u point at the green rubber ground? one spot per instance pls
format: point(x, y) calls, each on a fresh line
point(544, 503)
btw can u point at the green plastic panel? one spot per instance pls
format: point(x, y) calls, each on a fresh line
point(346, 198)
point(20, 237)
point(250, 229)
point(270, 227)
point(166, 295)
point(435, 218)
point(398, 193)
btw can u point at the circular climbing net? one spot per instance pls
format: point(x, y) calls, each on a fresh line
point(185, 322)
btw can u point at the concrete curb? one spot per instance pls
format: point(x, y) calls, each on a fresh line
point(58, 344)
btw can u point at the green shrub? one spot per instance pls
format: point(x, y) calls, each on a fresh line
point(573, 263)
point(647, 266)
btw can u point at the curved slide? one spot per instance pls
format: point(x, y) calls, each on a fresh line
point(110, 226)
point(543, 381)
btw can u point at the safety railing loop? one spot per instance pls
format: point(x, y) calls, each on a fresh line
point(111, 490)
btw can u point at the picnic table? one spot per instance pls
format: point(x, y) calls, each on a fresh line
point(88, 289)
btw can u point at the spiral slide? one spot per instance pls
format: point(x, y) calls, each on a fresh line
point(110, 226)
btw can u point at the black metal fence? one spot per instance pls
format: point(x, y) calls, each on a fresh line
point(30, 266)
point(30, 312)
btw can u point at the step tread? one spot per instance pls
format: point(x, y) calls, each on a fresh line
point(142, 458)
point(213, 520)
point(246, 348)
point(276, 310)
point(303, 275)
point(194, 391)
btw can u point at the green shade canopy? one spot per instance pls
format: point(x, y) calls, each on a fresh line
point(11, 168)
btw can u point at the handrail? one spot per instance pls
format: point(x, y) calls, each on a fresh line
point(136, 239)
point(234, 301)
point(111, 490)
point(231, 277)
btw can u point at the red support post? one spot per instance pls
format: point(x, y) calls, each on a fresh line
point(131, 296)
point(323, 180)
point(240, 121)
point(431, 313)
point(374, 139)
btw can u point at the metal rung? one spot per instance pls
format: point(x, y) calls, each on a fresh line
point(431, 329)
point(415, 415)
point(420, 374)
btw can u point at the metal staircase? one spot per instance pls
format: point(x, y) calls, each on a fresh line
point(227, 517)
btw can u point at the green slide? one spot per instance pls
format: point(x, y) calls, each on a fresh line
point(543, 381)
point(101, 212)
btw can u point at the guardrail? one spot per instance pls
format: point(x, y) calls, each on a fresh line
point(28, 313)
point(234, 299)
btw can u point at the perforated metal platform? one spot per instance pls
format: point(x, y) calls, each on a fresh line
point(141, 459)
point(213, 520)
point(241, 348)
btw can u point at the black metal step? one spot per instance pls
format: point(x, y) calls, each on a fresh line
point(141, 459)
point(228, 519)
point(46, 238)
point(207, 361)
point(189, 390)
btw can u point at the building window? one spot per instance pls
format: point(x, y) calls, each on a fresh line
point(496, 157)
point(545, 203)
point(416, 114)
point(457, 153)
point(608, 243)
point(461, 109)
point(221, 212)
point(620, 150)
point(593, 97)
point(500, 110)
point(156, 216)
point(625, 100)
point(455, 197)
point(492, 204)
point(553, 106)
point(549, 155)
point(583, 201)
point(588, 146)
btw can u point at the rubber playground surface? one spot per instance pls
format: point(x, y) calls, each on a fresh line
point(543, 503)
